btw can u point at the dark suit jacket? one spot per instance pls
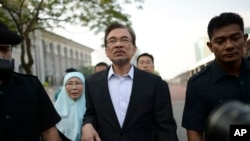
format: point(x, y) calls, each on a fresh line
point(149, 107)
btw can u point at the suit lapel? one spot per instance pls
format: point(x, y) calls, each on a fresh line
point(135, 96)
point(106, 99)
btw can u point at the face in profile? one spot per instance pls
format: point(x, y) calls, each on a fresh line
point(74, 87)
point(227, 43)
point(119, 47)
point(145, 63)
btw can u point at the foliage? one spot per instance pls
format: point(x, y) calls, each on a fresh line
point(26, 16)
point(45, 84)
point(87, 71)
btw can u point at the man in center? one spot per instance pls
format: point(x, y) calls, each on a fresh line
point(124, 103)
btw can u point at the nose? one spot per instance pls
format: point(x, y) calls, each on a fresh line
point(118, 43)
point(145, 66)
point(73, 86)
point(229, 44)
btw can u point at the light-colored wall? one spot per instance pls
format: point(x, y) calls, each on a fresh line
point(52, 55)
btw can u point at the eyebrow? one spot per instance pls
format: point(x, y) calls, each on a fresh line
point(234, 34)
point(117, 38)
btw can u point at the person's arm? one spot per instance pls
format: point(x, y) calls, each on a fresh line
point(194, 135)
point(90, 114)
point(89, 133)
point(194, 113)
point(89, 128)
point(47, 115)
point(50, 134)
point(165, 125)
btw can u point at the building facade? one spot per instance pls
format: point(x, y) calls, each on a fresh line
point(52, 55)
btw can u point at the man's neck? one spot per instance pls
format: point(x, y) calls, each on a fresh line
point(121, 70)
point(232, 68)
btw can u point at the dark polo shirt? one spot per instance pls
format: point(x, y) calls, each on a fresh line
point(210, 88)
point(25, 109)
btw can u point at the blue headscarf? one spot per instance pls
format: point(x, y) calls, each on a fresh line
point(71, 111)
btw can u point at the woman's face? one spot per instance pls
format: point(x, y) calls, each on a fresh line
point(74, 88)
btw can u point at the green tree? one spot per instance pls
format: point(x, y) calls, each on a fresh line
point(87, 71)
point(26, 16)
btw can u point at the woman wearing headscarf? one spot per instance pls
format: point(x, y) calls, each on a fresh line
point(70, 105)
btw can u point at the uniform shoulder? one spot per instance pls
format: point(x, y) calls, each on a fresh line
point(26, 76)
point(199, 74)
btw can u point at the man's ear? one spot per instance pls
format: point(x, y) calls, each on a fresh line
point(245, 38)
point(134, 49)
point(209, 45)
point(106, 52)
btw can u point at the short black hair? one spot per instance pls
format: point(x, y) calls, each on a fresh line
point(68, 70)
point(224, 19)
point(101, 64)
point(145, 54)
point(116, 25)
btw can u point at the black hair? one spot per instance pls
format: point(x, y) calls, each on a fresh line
point(101, 64)
point(117, 25)
point(224, 19)
point(145, 54)
point(68, 70)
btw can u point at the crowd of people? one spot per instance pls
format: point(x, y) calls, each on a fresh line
point(122, 101)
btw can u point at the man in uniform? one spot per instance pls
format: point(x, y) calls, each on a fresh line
point(227, 78)
point(26, 112)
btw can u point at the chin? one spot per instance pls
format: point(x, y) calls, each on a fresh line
point(120, 61)
point(231, 60)
point(74, 97)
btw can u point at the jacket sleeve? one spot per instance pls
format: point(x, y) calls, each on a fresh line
point(89, 116)
point(165, 125)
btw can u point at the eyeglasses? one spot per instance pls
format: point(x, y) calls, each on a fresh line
point(123, 41)
point(76, 84)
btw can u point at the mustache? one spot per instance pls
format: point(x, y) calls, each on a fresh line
point(119, 51)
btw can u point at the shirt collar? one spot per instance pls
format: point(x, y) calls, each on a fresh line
point(129, 74)
point(218, 71)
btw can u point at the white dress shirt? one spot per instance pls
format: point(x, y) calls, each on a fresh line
point(120, 88)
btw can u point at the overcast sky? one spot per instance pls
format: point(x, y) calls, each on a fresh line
point(167, 29)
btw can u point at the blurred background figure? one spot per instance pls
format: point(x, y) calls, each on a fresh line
point(71, 106)
point(100, 66)
point(68, 70)
point(145, 62)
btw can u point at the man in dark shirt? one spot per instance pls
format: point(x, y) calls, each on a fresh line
point(227, 78)
point(26, 112)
